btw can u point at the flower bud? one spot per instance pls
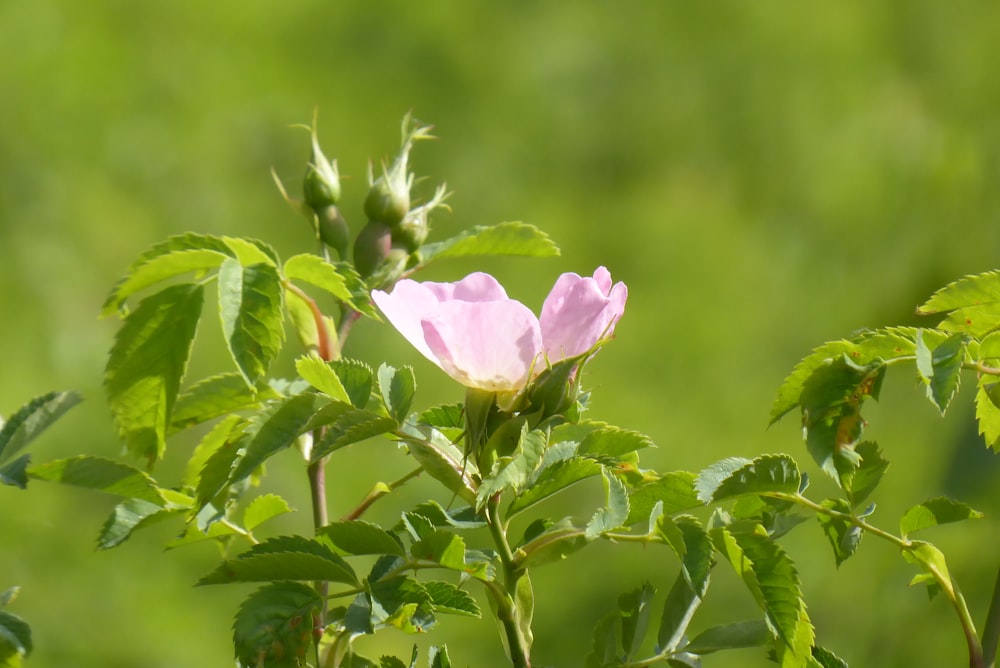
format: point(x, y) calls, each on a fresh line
point(556, 389)
point(321, 185)
point(372, 247)
point(388, 199)
point(412, 232)
point(332, 229)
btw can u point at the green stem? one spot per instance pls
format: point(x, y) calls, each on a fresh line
point(991, 630)
point(378, 491)
point(505, 599)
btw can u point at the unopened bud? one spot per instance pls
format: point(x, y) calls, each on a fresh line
point(412, 232)
point(372, 247)
point(388, 199)
point(333, 230)
point(321, 185)
point(556, 389)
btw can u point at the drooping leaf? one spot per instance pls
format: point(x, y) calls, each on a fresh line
point(735, 477)
point(934, 512)
point(397, 387)
point(940, 367)
point(216, 396)
point(103, 475)
point(316, 271)
point(220, 455)
point(30, 420)
point(283, 558)
point(972, 304)
point(988, 415)
point(321, 376)
point(861, 482)
point(634, 609)
point(675, 490)
point(843, 535)
point(772, 580)
point(442, 460)
point(615, 510)
point(262, 509)
point(931, 560)
point(173, 256)
point(274, 429)
point(274, 626)
point(693, 546)
point(437, 657)
point(250, 305)
point(513, 238)
point(553, 480)
point(146, 365)
point(359, 537)
point(220, 433)
point(678, 609)
point(127, 517)
point(753, 633)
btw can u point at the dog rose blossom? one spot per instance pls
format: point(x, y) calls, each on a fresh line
point(483, 339)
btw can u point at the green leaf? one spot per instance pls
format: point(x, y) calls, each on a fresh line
point(356, 377)
point(447, 416)
point(250, 304)
point(103, 475)
point(216, 396)
point(615, 511)
point(827, 659)
point(437, 657)
point(513, 472)
point(861, 482)
point(274, 429)
point(146, 365)
point(15, 472)
point(634, 609)
point(988, 415)
point(553, 544)
point(553, 480)
point(316, 271)
point(844, 536)
point(397, 387)
point(174, 256)
point(931, 560)
point(359, 537)
point(693, 547)
point(972, 304)
point(442, 460)
point(9, 596)
point(442, 547)
point(678, 609)
point(283, 558)
point(940, 368)
point(320, 375)
point(251, 251)
point(675, 490)
point(30, 420)
point(460, 518)
point(262, 509)
point(735, 477)
point(15, 638)
point(227, 429)
point(273, 627)
point(129, 516)
point(613, 442)
point(514, 238)
point(934, 512)
point(346, 426)
point(771, 577)
point(449, 599)
point(753, 633)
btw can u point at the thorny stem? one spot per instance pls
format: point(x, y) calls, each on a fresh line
point(946, 583)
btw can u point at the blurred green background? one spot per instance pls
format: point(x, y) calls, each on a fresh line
point(764, 176)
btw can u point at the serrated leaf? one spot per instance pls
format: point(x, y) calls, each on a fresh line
point(397, 387)
point(634, 609)
point(827, 659)
point(464, 517)
point(694, 549)
point(931, 560)
point(30, 420)
point(442, 460)
point(273, 627)
point(678, 609)
point(214, 397)
point(773, 581)
point(356, 377)
point(274, 429)
point(218, 467)
point(437, 657)
point(15, 472)
point(972, 304)
point(103, 475)
point(316, 271)
point(359, 537)
point(513, 238)
point(129, 516)
point(250, 305)
point(251, 251)
point(844, 536)
point(553, 480)
point(513, 472)
point(262, 509)
point(753, 633)
point(15, 638)
point(934, 512)
point(861, 482)
point(346, 426)
point(613, 442)
point(675, 490)
point(283, 558)
point(447, 416)
point(151, 267)
point(988, 416)
point(209, 444)
point(940, 367)
point(615, 511)
point(146, 365)
point(447, 598)
point(735, 477)
point(320, 375)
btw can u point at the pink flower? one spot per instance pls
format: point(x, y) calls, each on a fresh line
point(485, 340)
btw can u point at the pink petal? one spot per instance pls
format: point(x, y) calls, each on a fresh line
point(477, 287)
point(487, 345)
point(405, 307)
point(579, 311)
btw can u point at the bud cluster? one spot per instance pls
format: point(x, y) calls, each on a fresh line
point(395, 229)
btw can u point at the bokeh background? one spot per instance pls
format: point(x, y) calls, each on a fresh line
point(764, 176)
